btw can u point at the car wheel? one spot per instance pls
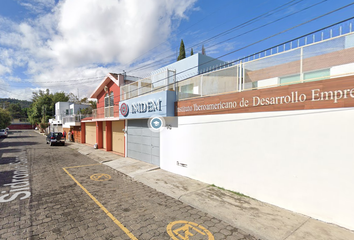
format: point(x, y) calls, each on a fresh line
point(63, 144)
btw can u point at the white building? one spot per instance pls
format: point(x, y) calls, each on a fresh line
point(276, 126)
point(67, 114)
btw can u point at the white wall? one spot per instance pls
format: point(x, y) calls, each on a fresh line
point(342, 70)
point(188, 67)
point(299, 160)
point(270, 82)
point(60, 108)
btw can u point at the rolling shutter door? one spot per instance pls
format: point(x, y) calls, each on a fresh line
point(90, 133)
point(143, 144)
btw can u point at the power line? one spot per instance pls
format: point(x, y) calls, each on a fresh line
point(70, 80)
point(244, 24)
point(156, 62)
point(277, 20)
point(286, 30)
point(158, 45)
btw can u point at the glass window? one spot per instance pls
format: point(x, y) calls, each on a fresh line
point(71, 111)
point(290, 79)
point(187, 88)
point(316, 75)
point(106, 100)
point(111, 99)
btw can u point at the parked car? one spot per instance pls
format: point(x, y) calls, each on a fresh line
point(3, 133)
point(55, 138)
point(7, 129)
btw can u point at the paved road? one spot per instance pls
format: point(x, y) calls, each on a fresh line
point(53, 192)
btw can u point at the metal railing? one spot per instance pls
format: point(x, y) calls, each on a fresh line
point(326, 56)
point(74, 118)
point(105, 112)
point(161, 81)
point(326, 53)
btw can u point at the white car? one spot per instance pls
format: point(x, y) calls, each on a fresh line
point(3, 133)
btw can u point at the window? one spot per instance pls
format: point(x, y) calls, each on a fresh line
point(67, 112)
point(106, 100)
point(290, 79)
point(187, 88)
point(111, 98)
point(317, 75)
point(307, 77)
point(71, 111)
point(108, 104)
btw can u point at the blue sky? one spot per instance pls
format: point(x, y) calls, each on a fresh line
point(71, 45)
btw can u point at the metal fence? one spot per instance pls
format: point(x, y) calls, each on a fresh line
point(105, 112)
point(74, 118)
point(326, 53)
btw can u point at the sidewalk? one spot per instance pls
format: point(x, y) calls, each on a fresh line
point(264, 221)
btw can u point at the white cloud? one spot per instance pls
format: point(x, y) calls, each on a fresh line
point(37, 6)
point(80, 39)
point(113, 31)
point(4, 69)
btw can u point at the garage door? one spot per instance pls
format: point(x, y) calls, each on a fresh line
point(143, 144)
point(118, 137)
point(90, 133)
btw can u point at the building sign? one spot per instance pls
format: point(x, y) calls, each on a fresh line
point(332, 93)
point(146, 106)
point(149, 106)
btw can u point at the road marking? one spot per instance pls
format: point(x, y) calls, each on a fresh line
point(120, 225)
point(182, 230)
point(100, 177)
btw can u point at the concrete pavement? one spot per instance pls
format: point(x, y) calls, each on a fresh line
point(260, 219)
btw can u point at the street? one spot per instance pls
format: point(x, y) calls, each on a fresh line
point(54, 192)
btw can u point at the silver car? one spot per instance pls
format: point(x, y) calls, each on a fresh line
point(3, 133)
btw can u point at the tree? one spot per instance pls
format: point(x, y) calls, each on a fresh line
point(41, 108)
point(15, 110)
point(182, 51)
point(203, 50)
point(5, 118)
point(93, 104)
point(73, 98)
point(60, 97)
point(192, 52)
point(43, 105)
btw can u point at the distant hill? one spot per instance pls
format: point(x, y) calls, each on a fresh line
point(23, 103)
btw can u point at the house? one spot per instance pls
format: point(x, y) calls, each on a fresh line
point(105, 128)
point(127, 133)
point(155, 96)
point(68, 118)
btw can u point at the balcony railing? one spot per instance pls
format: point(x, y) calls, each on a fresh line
point(74, 118)
point(161, 81)
point(105, 112)
point(327, 53)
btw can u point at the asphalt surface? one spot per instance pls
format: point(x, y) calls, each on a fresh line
point(54, 192)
